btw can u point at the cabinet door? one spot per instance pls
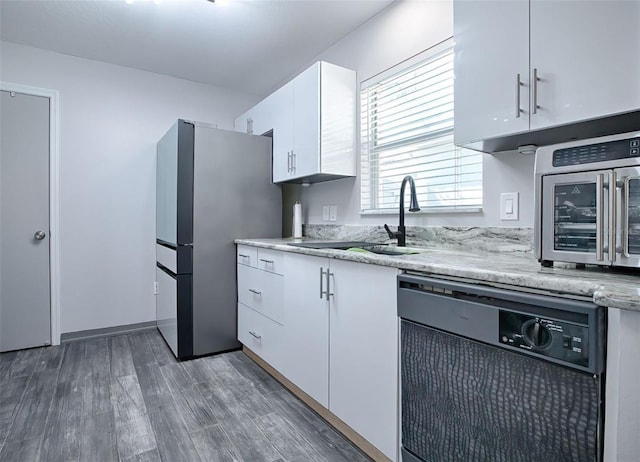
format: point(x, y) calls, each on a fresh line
point(282, 133)
point(306, 122)
point(262, 117)
point(338, 87)
point(240, 124)
point(587, 55)
point(306, 320)
point(363, 387)
point(492, 48)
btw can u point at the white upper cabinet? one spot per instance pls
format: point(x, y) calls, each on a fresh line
point(491, 51)
point(587, 57)
point(305, 140)
point(280, 122)
point(576, 61)
point(313, 120)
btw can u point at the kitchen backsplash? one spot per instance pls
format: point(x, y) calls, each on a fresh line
point(492, 239)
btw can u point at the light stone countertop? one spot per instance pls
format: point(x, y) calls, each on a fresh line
point(520, 269)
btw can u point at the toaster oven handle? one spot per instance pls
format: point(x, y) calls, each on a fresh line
point(625, 218)
point(600, 217)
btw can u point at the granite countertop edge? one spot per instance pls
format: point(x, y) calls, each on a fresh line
point(498, 268)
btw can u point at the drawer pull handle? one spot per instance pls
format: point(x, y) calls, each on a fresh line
point(269, 262)
point(254, 291)
point(255, 335)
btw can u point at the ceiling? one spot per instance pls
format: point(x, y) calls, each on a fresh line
point(247, 45)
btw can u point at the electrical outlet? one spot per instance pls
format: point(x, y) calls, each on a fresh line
point(325, 213)
point(155, 288)
point(333, 213)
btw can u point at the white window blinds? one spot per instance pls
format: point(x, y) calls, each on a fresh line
point(407, 129)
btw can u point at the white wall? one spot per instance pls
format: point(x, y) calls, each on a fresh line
point(110, 120)
point(399, 32)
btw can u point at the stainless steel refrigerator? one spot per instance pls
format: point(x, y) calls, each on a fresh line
point(213, 186)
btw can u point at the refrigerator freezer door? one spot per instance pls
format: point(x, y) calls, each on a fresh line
point(233, 198)
point(166, 308)
point(174, 315)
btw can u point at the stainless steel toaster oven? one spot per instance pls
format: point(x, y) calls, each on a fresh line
point(587, 202)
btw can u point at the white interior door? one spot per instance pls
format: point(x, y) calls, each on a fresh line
point(25, 306)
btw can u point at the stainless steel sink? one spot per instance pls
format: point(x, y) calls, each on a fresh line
point(339, 245)
point(356, 246)
point(389, 250)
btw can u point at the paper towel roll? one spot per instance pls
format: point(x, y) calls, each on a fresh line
point(297, 219)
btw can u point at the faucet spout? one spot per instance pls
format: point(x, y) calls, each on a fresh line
point(401, 234)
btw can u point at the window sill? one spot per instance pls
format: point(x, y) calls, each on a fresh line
point(444, 210)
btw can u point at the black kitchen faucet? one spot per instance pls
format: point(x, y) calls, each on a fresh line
point(401, 234)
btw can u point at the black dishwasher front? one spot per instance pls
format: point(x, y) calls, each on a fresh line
point(489, 374)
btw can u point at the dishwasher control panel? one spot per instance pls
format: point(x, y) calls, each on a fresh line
point(561, 340)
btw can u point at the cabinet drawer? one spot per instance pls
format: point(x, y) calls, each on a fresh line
point(261, 335)
point(167, 257)
point(270, 260)
point(167, 308)
point(262, 291)
point(247, 255)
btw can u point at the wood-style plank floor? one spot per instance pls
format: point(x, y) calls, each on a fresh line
point(126, 398)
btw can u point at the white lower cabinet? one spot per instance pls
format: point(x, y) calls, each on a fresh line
point(260, 305)
point(363, 351)
point(261, 335)
point(261, 291)
point(306, 317)
point(336, 338)
point(342, 348)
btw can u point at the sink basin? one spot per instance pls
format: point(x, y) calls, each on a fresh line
point(357, 246)
point(382, 250)
point(340, 245)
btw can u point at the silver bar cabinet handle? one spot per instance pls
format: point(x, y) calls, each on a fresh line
point(599, 217)
point(534, 81)
point(329, 293)
point(321, 281)
point(517, 96)
point(255, 335)
point(254, 291)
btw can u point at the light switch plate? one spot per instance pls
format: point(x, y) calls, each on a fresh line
point(509, 206)
point(333, 213)
point(325, 213)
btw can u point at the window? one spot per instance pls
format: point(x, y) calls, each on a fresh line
point(407, 129)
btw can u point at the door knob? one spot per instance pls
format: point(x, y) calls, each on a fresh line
point(39, 235)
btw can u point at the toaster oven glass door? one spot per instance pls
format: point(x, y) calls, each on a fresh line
point(628, 198)
point(575, 217)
